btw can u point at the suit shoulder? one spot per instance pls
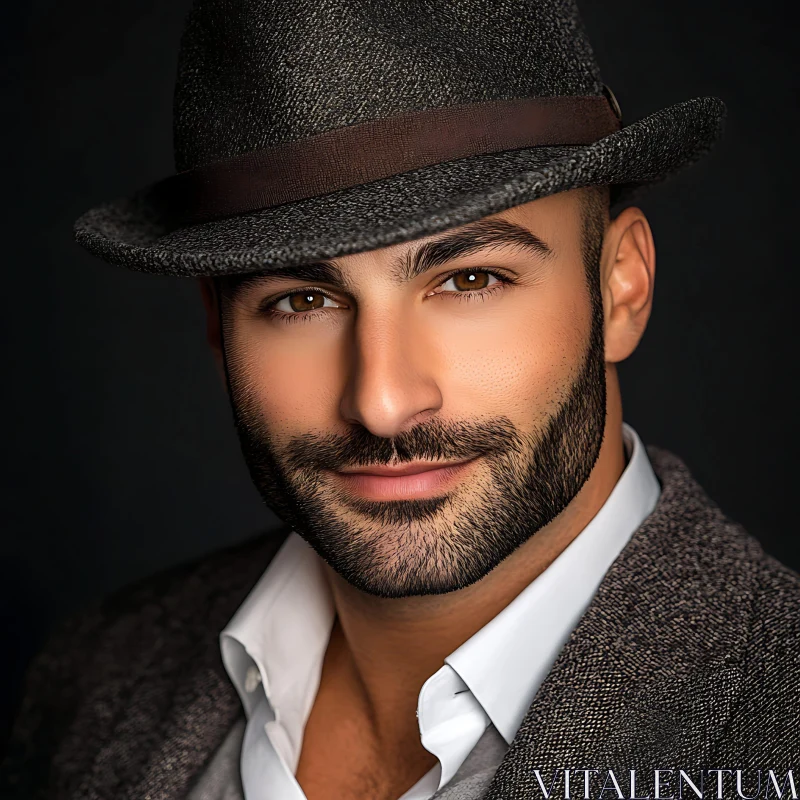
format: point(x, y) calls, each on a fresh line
point(166, 611)
point(776, 615)
point(230, 570)
point(94, 660)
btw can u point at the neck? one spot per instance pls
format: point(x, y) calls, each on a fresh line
point(387, 648)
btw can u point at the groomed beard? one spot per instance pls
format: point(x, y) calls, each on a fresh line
point(403, 548)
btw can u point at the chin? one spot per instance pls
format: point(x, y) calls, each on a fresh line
point(406, 561)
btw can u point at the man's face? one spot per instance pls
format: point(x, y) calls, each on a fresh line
point(478, 351)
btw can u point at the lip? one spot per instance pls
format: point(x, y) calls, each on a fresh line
point(409, 468)
point(412, 481)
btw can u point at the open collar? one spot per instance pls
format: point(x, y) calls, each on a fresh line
point(275, 643)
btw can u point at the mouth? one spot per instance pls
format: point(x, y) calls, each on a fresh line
point(416, 480)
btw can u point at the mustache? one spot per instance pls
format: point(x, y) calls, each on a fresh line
point(428, 441)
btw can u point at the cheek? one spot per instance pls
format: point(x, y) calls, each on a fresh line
point(519, 358)
point(290, 377)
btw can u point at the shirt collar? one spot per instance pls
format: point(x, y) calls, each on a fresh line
point(505, 662)
point(278, 637)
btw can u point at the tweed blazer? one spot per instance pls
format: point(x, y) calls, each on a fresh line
point(688, 657)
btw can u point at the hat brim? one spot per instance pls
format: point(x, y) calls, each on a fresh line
point(403, 207)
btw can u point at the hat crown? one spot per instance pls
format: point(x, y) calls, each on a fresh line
point(256, 73)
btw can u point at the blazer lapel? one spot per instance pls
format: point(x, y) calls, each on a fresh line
point(203, 713)
point(649, 677)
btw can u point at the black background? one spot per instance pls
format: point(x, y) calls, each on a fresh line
point(119, 452)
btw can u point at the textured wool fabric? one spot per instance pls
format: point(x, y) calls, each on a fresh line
point(687, 657)
point(256, 73)
point(308, 66)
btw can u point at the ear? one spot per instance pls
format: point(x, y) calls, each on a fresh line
point(629, 267)
point(211, 301)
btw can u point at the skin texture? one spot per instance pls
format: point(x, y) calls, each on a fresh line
point(386, 358)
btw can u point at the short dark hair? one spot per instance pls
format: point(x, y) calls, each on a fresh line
point(596, 201)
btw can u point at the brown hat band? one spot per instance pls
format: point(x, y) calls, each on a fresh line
point(358, 154)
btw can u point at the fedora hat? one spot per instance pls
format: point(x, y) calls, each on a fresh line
point(310, 129)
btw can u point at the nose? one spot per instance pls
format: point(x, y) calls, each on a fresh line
point(391, 381)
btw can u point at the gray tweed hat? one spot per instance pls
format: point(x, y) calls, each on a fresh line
point(310, 129)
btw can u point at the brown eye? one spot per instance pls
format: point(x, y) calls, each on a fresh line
point(303, 300)
point(467, 281)
point(306, 301)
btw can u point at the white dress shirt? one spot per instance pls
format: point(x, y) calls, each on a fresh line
point(274, 646)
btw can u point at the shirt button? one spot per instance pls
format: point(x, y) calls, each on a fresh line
point(252, 679)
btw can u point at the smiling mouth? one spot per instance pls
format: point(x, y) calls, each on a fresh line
point(412, 481)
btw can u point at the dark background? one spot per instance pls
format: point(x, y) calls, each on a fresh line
point(119, 452)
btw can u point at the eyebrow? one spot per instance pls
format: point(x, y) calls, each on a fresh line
point(462, 242)
point(465, 241)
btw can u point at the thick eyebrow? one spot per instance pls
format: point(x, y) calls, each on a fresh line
point(456, 244)
point(465, 241)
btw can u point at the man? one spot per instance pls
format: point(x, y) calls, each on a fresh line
point(417, 297)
